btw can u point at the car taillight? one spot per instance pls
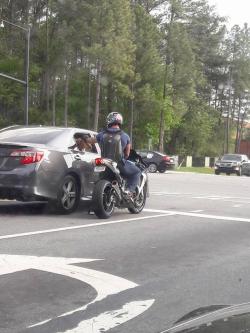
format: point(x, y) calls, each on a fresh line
point(166, 158)
point(99, 161)
point(28, 156)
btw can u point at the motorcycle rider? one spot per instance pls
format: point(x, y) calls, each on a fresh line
point(115, 145)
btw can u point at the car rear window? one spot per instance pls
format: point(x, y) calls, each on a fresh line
point(231, 158)
point(31, 135)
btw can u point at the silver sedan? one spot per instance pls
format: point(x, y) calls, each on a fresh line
point(37, 164)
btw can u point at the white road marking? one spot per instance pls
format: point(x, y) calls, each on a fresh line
point(196, 211)
point(105, 284)
point(237, 206)
point(170, 194)
point(240, 200)
point(225, 199)
point(212, 197)
point(111, 319)
point(82, 226)
point(205, 216)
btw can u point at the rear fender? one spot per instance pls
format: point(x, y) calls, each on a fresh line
point(49, 175)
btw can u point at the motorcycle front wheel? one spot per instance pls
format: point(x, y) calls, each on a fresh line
point(139, 202)
point(103, 199)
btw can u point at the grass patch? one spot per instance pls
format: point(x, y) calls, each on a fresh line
point(196, 169)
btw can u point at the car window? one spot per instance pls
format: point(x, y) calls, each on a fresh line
point(31, 135)
point(95, 147)
point(231, 157)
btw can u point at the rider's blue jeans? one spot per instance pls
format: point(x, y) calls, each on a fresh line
point(131, 173)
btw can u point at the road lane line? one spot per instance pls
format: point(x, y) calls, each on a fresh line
point(196, 211)
point(205, 216)
point(82, 226)
point(111, 319)
point(243, 200)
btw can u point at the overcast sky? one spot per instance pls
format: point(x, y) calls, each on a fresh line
point(238, 11)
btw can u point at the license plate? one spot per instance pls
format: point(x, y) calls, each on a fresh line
point(100, 168)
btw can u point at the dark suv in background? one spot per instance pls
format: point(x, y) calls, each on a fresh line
point(157, 161)
point(230, 163)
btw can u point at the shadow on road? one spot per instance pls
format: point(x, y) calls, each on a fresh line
point(32, 208)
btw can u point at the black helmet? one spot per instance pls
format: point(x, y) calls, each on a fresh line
point(114, 118)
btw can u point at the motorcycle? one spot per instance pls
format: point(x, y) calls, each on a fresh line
point(110, 190)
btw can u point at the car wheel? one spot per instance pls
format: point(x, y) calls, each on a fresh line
point(162, 170)
point(68, 196)
point(152, 167)
point(217, 172)
point(228, 173)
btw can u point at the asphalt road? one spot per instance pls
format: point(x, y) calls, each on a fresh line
point(133, 273)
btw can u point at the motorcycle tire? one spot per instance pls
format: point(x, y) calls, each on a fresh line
point(103, 199)
point(139, 203)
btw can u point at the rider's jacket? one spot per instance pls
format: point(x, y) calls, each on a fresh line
point(112, 143)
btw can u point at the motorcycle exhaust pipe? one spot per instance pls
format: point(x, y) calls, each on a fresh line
point(116, 188)
point(142, 183)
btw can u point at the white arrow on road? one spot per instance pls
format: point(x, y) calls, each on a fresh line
point(105, 285)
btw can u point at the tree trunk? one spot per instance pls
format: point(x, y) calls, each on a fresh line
point(162, 116)
point(167, 62)
point(47, 75)
point(110, 97)
point(66, 101)
point(229, 111)
point(131, 123)
point(54, 103)
point(237, 139)
point(241, 128)
point(97, 98)
point(89, 97)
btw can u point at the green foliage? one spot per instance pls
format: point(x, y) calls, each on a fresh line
point(157, 59)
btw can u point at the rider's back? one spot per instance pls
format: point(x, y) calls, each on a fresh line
point(111, 145)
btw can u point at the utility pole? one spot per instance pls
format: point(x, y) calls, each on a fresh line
point(229, 111)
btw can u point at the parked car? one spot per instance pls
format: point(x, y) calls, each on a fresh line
point(157, 161)
point(36, 164)
point(245, 170)
point(230, 163)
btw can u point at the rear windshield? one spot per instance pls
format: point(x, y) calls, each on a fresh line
point(30, 135)
point(231, 158)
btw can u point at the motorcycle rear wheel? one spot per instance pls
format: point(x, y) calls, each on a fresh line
point(103, 199)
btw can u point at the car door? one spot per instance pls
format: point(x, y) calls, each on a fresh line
point(84, 166)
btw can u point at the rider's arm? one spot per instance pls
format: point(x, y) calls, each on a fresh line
point(127, 150)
